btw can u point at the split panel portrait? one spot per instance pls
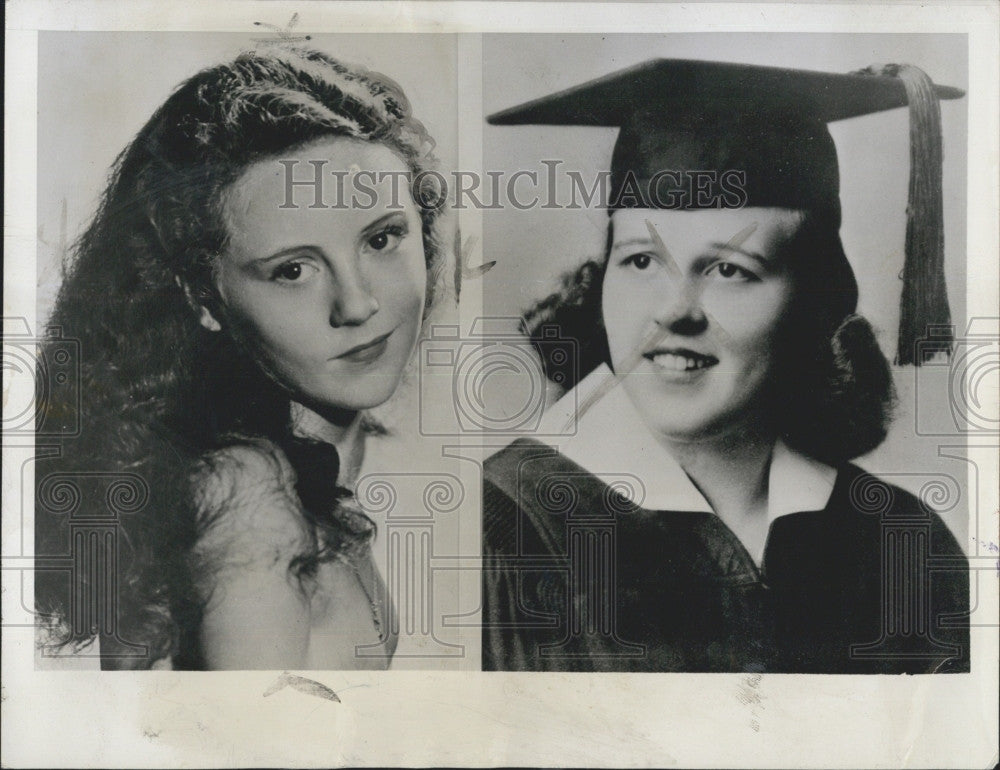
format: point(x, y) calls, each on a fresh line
point(730, 322)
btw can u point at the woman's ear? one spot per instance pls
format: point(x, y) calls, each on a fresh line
point(205, 317)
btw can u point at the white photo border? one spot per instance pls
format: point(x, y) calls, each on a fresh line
point(157, 719)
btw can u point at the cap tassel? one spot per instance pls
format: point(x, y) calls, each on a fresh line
point(924, 300)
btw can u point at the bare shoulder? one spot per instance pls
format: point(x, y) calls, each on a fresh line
point(251, 530)
point(248, 510)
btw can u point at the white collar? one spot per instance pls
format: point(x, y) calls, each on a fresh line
point(612, 439)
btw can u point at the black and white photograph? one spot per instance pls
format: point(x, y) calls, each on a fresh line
point(231, 475)
point(691, 502)
point(500, 384)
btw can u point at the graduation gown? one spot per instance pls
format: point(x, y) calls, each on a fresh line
point(579, 577)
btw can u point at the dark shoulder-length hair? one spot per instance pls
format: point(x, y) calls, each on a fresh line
point(832, 385)
point(158, 394)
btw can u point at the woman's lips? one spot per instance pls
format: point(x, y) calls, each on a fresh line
point(366, 352)
point(680, 360)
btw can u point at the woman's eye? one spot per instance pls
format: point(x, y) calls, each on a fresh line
point(730, 271)
point(638, 261)
point(291, 271)
point(386, 239)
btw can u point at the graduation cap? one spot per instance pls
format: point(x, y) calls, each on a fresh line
point(697, 134)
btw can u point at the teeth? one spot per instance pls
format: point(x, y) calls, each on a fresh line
point(676, 363)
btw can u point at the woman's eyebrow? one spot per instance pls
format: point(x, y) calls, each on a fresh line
point(734, 244)
point(644, 242)
point(383, 219)
point(285, 252)
point(728, 247)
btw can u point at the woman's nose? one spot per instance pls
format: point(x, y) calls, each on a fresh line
point(353, 301)
point(681, 310)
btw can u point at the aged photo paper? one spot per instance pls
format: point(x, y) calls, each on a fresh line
point(501, 384)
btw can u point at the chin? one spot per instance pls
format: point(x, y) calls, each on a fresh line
point(682, 431)
point(364, 398)
point(707, 425)
point(683, 420)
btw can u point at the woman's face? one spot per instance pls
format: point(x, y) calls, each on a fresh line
point(694, 311)
point(330, 300)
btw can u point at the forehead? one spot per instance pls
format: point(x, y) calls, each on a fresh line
point(679, 229)
point(333, 161)
point(273, 202)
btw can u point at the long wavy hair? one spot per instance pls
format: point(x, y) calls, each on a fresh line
point(158, 393)
point(831, 386)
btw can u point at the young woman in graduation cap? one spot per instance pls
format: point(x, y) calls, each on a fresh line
point(232, 344)
point(702, 514)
